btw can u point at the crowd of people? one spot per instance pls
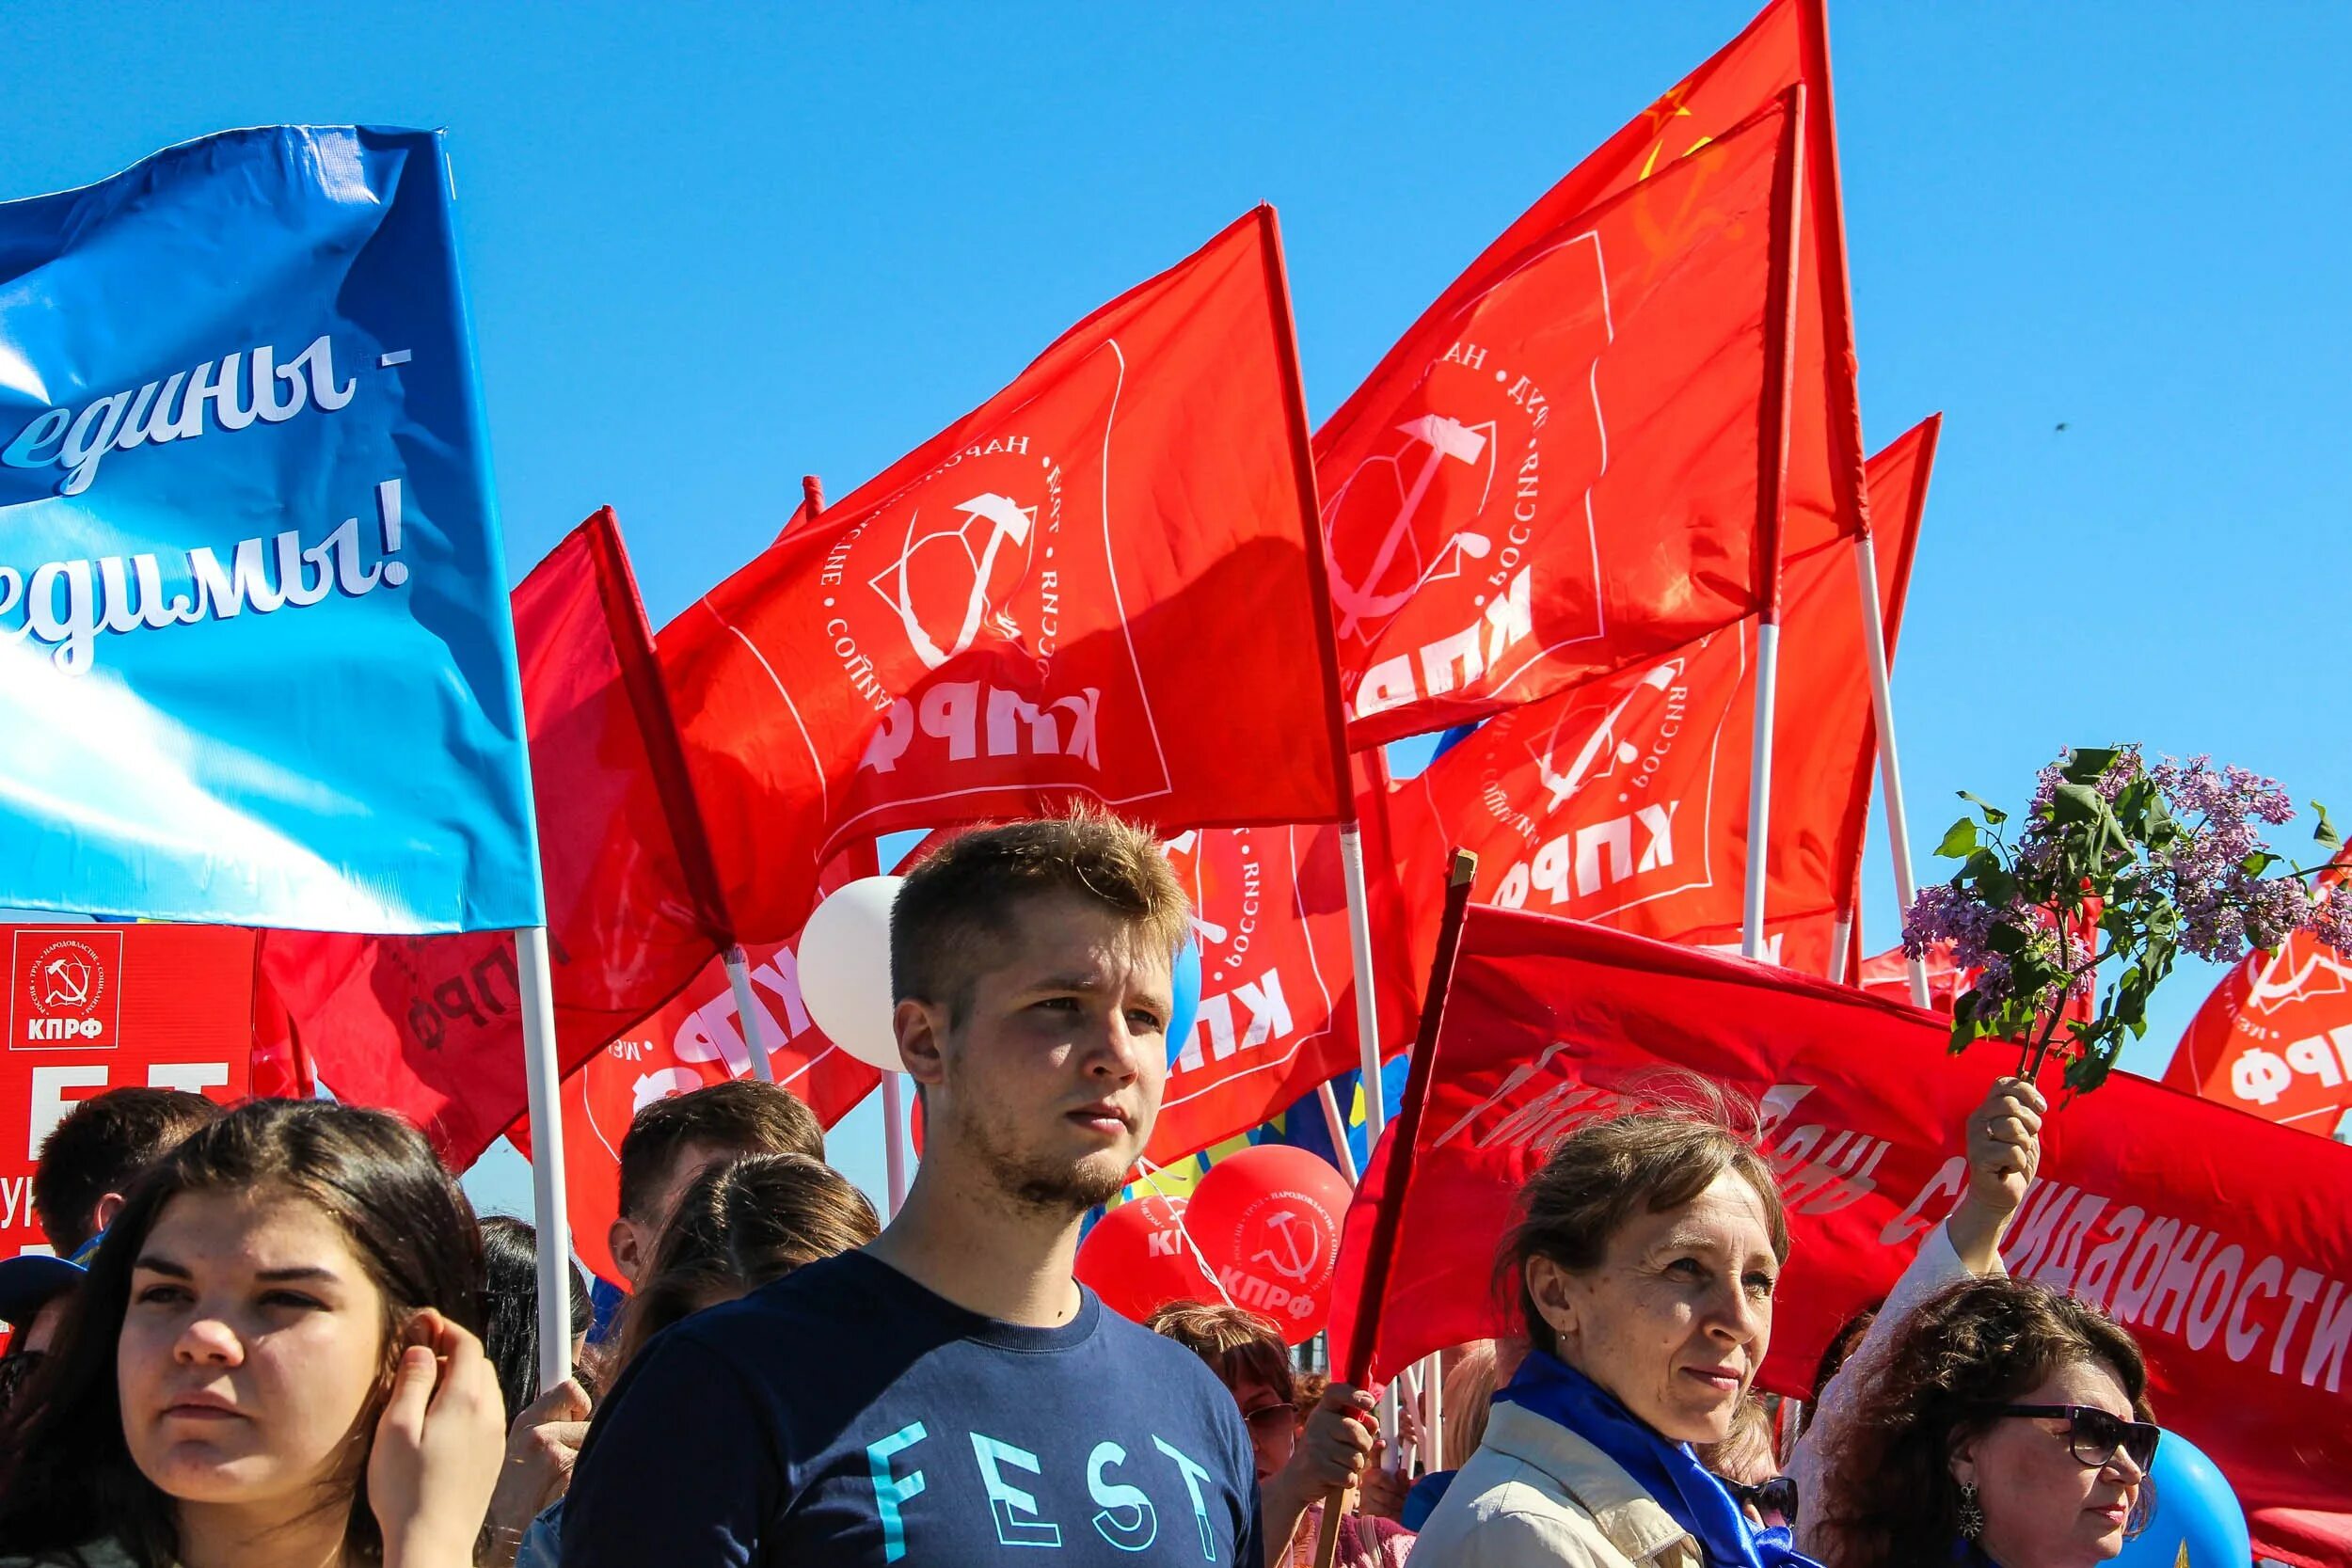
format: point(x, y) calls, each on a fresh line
point(278, 1337)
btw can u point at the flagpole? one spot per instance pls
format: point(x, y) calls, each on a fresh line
point(739, 967)
point(1772, 500)
point(543, 1079)
point(1890, 767)
point(1342, 766)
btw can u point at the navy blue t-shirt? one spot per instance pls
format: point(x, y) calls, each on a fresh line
point(845, 1415)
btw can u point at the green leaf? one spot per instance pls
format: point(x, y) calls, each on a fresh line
point(1992, 813)
point(1960, 840)
point(2085, 764)
point(2077, 804)
point(2258, 862)
point(2326, 834)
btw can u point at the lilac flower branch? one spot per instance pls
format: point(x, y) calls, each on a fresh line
point(2156, 860)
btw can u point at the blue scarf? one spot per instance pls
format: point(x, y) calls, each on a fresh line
point(1675, 1480)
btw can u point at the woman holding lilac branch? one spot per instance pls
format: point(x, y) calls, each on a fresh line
point(2152, 860)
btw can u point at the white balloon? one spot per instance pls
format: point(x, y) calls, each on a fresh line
point(845, 970)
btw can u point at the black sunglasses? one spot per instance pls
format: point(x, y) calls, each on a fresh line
point(1272, 1418)
point(1777, 1495)
point(2092, 1434)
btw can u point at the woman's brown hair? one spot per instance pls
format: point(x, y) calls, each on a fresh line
point(1603, 1174)
point(1888, 1497)
point(65, 1472)
point(1236, 1342)
point(738, 1226)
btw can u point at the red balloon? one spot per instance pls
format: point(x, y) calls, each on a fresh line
point(1137, 1260)
point(1269, 1221)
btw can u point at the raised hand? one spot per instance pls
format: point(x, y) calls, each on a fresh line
point(436, 1456)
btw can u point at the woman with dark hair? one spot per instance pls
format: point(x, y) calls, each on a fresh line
point(2007, 1425)
point(545, 1428)
point(1644, 1266)
point(510, 1300)
point(273, 1363)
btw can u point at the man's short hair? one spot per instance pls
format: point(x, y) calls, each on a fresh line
point(741, 1117)
point(100, 1145)
point(947, 925)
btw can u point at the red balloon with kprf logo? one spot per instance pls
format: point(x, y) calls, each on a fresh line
point(1138, 1260)
point(1267, 1220)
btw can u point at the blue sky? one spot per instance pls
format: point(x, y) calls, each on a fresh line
point(713, 247)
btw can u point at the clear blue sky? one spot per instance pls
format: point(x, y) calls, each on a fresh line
point(713, 247)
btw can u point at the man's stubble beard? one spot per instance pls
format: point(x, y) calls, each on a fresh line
point(1039, 1183)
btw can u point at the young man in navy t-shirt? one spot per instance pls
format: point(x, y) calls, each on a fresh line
point(950, 1395)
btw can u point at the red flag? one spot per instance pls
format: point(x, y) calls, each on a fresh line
point(431, 1026)
point(1277, 996)
point(2275, 1038)
point(2222, 1243)
point(1098, 585)
point(1567, 465)
point(1624, 800)
point(696, 1039)
point(92, 1008)
point(1648, 610)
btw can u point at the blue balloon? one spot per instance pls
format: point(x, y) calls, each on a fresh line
point(2197, 1518)
point(1186, 984)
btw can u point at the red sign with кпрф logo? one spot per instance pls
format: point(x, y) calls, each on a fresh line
point(66, 990)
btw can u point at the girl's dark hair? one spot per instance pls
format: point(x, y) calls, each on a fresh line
point(66, 1473)
point(1599, 1177)
point(1888, 1497)
point(738, 1226)
point(510, 1304)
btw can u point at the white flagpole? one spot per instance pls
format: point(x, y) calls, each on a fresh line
point(1841, 940)
point(1335, 1122)
point(1360, 947)
point(1760, 789)
point(1890, 768)
point(543, 1078)
point(1434, 1455)
point(895, 1138)
point(738, 969)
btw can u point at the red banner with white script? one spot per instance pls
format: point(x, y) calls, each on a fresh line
point(97, 1007)
point(1098, 585)
point(2221, 1242)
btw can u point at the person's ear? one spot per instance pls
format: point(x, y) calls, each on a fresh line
point(922, 1031)
point(1962, 1459)
point(1551, 1287)
point(622, 1241)
point(109, 1205)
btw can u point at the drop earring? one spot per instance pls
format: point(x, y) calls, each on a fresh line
point(1971, 1514)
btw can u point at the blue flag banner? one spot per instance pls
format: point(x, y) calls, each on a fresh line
point(256, 663)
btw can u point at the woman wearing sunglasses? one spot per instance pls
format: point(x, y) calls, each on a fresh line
point(1297, 1462)
point(2008, 1425)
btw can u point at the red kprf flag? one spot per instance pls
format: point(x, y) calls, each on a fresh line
point(2222, 1243)
point(1624, 800)
point(2275, 1038)
point(1099, 585)
point(1564, 467)
point(431, 1026)
point(699, 1037)
point(1278, 1011)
